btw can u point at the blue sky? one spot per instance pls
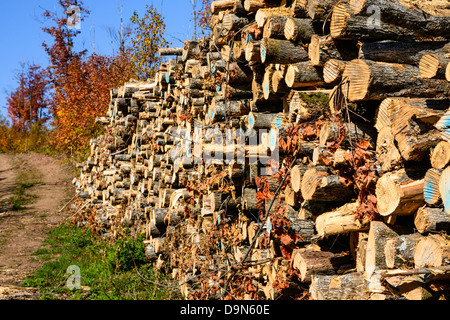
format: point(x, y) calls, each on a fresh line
point(21, 35)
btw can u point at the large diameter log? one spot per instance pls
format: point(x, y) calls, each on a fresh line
point(432, 251)
point(301, 30)
point(399, 251)
point(398, 194)
point(304, 74)
point(281, 51)
point(395, 12)
point(370, 80)
point(341, 220)
point(346, 26)
point(401, 52)
point(428, 219)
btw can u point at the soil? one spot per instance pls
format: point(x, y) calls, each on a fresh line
point(22, 232)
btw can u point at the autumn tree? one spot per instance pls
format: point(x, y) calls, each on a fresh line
point(204, 15)
point(81, 82)
point(28, 103)
point(147, 38)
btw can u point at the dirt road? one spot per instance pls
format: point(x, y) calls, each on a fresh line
point(23, 231)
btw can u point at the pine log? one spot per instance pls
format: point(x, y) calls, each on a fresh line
point(432, 251)
point(304, 74)
point(346, 26)
point(281, 51)
point(377, 81)
point(429, 219)
point(394, 12)
point(341, 220)
point(401, 52)
point(398, 194)
point(323, 48)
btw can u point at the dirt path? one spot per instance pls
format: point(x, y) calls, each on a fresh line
point(22, 232)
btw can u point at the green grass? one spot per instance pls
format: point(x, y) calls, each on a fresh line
point(108, 269)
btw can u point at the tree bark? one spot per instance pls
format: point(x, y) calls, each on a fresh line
point(304, 74)
point(370, 80)
point(323, 48)
point(281, 51)
point(394, 12)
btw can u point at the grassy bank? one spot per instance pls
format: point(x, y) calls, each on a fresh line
point(108, 270)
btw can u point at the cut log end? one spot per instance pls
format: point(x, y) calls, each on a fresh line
point(429, 65)
point(357, 73)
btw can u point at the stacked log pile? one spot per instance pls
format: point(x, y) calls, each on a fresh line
point(297, 152)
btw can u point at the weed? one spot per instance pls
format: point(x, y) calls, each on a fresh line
point(108, 268)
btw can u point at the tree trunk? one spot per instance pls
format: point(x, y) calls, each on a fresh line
point(444, 188)
point(346, 26)
point(350, 286)
point(429, 219)
point(370, 80)
point(310, 263)
point(431, 186)
point(301, 30)
point(399, 251)
point(432, 251)
point(394, 12)
point(323, 48)
point(341, 220)
point(281, 51)
point(375, 252)
point(398, 194)
point(304, 74)
point(274, 27)
point(319, 186)
point(401, 52)
point(440, 157)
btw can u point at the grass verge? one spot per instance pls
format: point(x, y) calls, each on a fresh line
point(107, 270)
